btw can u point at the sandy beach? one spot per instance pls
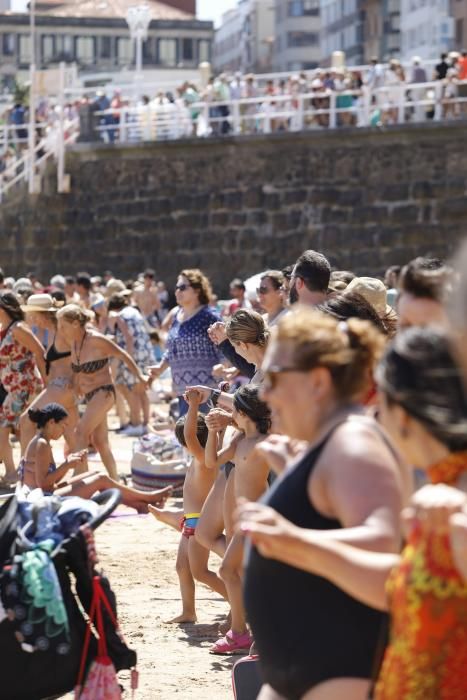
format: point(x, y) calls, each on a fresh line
point(138, 554)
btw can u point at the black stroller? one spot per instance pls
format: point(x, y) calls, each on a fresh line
point(51, 672)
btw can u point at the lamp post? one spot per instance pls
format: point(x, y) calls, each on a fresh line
point(138, 18)
point(32, 99)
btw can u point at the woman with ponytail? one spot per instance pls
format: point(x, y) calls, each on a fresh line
point(37, 468)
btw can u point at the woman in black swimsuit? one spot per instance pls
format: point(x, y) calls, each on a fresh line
point(90, 355)
point(315, 642)
point(41, 311)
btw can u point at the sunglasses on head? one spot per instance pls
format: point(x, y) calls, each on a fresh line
point(181, 287)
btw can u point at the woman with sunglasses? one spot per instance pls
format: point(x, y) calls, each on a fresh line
point(190, 353)
point(314, 640)
point(423, 407)
point(271, 296)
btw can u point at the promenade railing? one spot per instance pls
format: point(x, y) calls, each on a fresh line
point(317, 109)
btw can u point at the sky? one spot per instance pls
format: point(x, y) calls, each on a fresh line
point(213, 9)
point(207, 9)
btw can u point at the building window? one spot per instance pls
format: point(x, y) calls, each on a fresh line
point(167, 52)
point(105, 50)
point(8, 43)
point(47, 48)
point(85, 49)
point(297, 39)
point(64, 47)
point(124, 51)
point(24, 41)
point(187, 50)
point(303, 8)
point(204, 50)
point(149, 54)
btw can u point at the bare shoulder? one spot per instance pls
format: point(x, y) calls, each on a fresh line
point(360, 440)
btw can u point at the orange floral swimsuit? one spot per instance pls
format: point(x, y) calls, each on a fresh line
point(427, 654)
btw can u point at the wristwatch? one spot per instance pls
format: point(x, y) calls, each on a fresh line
point(215, 393)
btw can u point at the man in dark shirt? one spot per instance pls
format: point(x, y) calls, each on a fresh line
point(441, 68)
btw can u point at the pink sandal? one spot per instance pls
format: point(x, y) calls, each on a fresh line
point(232, 643)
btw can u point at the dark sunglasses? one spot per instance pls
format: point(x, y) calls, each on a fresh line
point(263, 290)
point(181, 287)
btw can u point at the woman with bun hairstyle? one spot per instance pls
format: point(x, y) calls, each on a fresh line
point(314, 640)
point(41, 312)
point(21, 368)
point(90, 362)
point(424, 408)
point(37, 468)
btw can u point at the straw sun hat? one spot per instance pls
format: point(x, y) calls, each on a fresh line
point(373, 290)
point(41, 302)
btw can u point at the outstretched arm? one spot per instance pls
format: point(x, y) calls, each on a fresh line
point(359, 573)
point(114, 351)
point(190, 430)
point(215, 457)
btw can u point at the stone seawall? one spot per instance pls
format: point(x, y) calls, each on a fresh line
point(366, 198)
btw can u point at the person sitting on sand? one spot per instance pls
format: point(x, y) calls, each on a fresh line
point(37, 468)
point(192, 559)
point(248, 479)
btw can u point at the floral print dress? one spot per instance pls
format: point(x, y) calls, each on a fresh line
point(427, 654)
point(18, 376)
point(142, 348)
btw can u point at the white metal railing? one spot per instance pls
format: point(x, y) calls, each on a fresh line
point(17, 162)
point(319, 109)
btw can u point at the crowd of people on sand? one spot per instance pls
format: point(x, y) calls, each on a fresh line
point(325, 414)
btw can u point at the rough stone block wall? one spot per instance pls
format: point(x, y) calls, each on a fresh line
point(236, 206)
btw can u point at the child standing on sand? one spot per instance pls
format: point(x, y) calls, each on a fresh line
point(192, 559)
point(248, 479)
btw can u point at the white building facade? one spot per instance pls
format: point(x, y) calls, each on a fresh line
point(297, 35)
point(244, 41)
point(427, 28)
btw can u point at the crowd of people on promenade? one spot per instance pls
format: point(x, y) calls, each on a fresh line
point(325, 415)
point(365, 96)
point(375, 95)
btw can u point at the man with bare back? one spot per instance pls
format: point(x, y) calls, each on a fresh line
point(146, 298)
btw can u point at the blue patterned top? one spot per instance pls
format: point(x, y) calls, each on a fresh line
point(190, 353)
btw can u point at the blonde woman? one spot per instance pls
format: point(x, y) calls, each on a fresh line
point(41, 312)
point(90, 362)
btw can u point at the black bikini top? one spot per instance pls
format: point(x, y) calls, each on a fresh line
point(90, 367)
point(52, 355)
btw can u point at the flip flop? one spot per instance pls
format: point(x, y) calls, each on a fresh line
point(232, 643)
